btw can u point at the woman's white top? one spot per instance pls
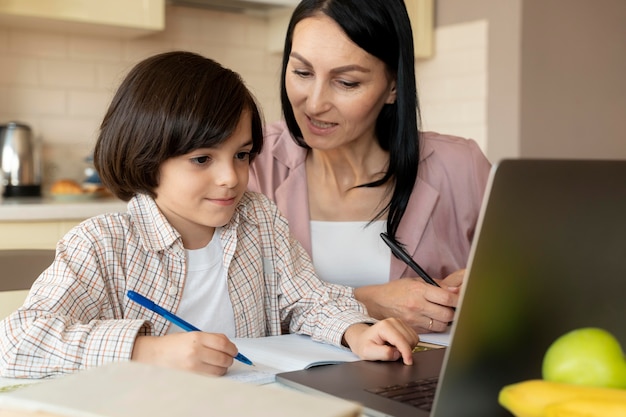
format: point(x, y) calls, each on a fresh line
point(349, 253)
point(206, 302)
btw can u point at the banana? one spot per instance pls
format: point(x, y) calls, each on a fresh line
point(530, 398)
point(587, 408)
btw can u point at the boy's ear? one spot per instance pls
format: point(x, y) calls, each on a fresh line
point(393, 94)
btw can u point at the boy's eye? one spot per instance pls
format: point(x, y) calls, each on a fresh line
point(242, 155)
point(200, 160)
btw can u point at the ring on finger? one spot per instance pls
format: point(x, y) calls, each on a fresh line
point(430, 324)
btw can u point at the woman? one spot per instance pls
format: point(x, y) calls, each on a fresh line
point(350, 162)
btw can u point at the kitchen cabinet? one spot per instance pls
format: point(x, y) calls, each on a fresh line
point(28, 235)
point(421, 13)
point(38, 223)
point(34, 234)
point(237, 5)
point(118, 18)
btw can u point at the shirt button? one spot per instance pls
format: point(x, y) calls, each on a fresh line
point(172, 291)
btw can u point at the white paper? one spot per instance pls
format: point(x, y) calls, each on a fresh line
point(442, 339)
point(290, 352)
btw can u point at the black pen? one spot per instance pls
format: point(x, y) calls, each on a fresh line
point(404, 257)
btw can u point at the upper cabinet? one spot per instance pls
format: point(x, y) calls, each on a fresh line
point(238, 5)
point(118, 18)
point(422, 14)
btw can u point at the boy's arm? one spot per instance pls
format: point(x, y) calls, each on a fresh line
point(69, 321)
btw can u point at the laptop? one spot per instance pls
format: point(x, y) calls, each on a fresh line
point(549, 256)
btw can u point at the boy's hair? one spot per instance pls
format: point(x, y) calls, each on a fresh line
point(169, 105)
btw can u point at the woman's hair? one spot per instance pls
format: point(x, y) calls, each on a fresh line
point(383, 29)
point(169, 105)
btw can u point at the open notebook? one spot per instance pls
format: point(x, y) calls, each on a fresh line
point(293, 352)
point(284, 353)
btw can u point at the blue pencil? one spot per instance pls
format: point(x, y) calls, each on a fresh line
point(150, 305)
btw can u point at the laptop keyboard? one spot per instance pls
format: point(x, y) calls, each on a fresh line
point(419, 394)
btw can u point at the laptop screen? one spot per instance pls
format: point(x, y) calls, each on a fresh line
point(549, 257)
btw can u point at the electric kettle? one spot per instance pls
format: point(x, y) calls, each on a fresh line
point(20, 168)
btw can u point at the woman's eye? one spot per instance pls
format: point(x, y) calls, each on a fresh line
point(200, 160)
point(242, 155)
point(302, 73)
point(348, 84)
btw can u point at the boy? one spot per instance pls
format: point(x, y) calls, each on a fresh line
point(176, 142)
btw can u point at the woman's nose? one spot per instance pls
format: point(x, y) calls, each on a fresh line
point(318, 100)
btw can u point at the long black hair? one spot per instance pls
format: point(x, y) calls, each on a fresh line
point(383, 29)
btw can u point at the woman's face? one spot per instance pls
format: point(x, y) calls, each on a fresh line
point(336, 89)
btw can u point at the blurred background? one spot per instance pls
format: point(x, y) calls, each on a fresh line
point(524, 78)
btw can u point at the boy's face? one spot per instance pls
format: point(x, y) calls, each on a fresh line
point(199, 191)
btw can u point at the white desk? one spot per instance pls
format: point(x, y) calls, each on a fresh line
point(264, 354)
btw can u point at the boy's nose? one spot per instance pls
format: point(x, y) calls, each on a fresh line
point(227, 176)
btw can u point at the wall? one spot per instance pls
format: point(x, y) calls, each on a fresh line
point(452, 85)
point(503, 73)
point(574, 79)
point(503, 22)
point(556, 85)
point(61, 84)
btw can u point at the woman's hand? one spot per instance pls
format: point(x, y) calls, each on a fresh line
point(207, 353)
point(387, 340)
point(422, 306)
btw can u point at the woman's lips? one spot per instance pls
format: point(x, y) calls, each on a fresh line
point(319, 127)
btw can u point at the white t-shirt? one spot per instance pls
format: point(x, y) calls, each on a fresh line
point(349, 253)
point(205, 302)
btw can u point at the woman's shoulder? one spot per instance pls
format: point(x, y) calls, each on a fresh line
point(440, 141)
point(451, 149)
point(280, 146)
point(278, 158)
point(274, 130)
point(453, 160)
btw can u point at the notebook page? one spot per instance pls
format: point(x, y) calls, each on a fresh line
point(291, 352)
point(442, 339)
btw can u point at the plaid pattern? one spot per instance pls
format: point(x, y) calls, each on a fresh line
point(77, 314)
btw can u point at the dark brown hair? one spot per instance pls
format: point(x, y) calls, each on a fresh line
point(169, 105)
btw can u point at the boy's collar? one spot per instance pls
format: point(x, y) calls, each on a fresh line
point(159, 235)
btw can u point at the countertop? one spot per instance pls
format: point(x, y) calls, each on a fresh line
point(48, 208)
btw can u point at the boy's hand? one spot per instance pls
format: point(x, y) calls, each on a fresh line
point(387, 340)
point(207, 353)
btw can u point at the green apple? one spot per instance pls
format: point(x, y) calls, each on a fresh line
point(588, 356)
